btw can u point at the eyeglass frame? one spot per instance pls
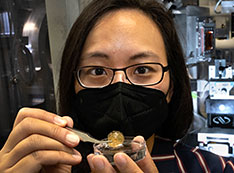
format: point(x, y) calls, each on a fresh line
point(164, 69)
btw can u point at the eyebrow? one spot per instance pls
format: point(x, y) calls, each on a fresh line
point(144, 55)
point(140, 55)
point(96, 54)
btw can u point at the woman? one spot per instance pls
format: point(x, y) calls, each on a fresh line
point(106, 43)
point(122, 69)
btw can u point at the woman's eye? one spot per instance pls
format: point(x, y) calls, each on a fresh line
point(98, 71)
point(141, 70)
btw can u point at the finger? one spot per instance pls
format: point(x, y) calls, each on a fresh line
point(61, 168)
point(31, 126)
point(147, 165)
point(36, 160)
point(39, 114)
point(69, 121)
point(99, 164)
point(89, 159)
point(125, 164)
point(35, 143)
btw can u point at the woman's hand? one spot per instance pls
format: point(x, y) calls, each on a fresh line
point(124, 164)
point(38, 142)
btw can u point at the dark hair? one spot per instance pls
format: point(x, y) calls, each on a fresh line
point(180, 106)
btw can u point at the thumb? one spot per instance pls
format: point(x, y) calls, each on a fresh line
point(147, 164)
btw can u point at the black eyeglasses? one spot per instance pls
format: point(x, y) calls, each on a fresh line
point(144, 74)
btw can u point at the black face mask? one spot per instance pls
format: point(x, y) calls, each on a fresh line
point(131, 109)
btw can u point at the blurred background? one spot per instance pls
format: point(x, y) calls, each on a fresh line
point(32, 36)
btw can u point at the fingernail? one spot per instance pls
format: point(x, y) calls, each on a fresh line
point(120, 160)
point(98, 163)
point(59, 121)
point(72, 138)
point(76, 156)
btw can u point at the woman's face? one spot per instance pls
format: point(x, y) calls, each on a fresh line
point(123, 38)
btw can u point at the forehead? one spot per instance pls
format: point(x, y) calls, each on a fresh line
point(126, 21)
point(125, 32)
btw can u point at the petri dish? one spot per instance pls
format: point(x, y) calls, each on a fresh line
point(133, 148)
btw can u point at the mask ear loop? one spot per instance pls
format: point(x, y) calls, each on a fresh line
point(170, 89)
point(168, 92)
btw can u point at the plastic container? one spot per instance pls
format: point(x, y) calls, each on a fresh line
point(132, 147)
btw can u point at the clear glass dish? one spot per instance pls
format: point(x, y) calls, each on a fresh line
point(133, 148)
